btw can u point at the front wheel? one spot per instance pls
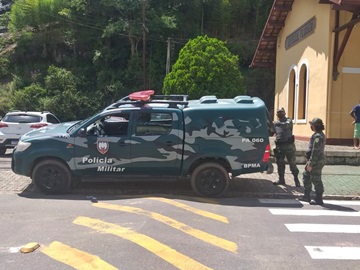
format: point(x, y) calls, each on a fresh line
point(210, 179)
point(52, 177)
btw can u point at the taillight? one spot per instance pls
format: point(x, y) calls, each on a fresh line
point(266, 153)
point(3, 125)
point(38, 125)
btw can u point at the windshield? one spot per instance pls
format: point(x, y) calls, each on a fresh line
point(75, 126)
point(22, 118)
point(79, 123)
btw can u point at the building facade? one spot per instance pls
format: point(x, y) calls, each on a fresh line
point(315, 47)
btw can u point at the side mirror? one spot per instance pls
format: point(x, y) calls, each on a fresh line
point(82, 133)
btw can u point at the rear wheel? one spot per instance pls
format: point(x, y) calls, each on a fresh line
point(2, 151)
point(52, 177)
point(210, 179)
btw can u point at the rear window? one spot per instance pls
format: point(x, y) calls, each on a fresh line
point(22, 118)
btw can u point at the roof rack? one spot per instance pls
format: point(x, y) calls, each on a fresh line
point(146, 97)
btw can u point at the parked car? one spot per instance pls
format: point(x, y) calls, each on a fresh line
point(16, 123)
point(147, 137)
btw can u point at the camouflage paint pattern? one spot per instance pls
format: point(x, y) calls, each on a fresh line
point(234, 132)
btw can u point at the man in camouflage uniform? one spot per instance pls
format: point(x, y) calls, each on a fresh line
point(315, 163)
point(285, 147)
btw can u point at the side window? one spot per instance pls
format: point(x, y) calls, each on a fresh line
point(153, 123)
point(116, 124)
point(110, 125)
point(52, 119)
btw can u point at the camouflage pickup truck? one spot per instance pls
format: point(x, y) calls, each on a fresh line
point(208, 141)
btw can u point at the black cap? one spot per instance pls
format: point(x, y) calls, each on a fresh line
point(281, 110)
point(316, 121)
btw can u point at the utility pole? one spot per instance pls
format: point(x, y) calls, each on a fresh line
point(168, 55)
point(144, 42)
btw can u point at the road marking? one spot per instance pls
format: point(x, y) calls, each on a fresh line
point(178, 197)
point(206, 237)
point(165, 252)
point(294, 201)
point(10, 249)
point(279, 201)
point(335, 202)
point(303, 212)
point(75, 258)
point(192, 209)
point(334, 253)
point(323, 228)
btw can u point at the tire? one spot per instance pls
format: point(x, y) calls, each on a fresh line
point(52, 177)
point(2, 151)
point(210, 180)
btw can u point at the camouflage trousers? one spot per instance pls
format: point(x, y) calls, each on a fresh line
point(287, 150)
point(314, 177)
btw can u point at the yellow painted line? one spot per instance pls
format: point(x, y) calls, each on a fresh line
point(204, 200)
point(75, 258)
point(188, 198)
point(165, 252)
point(206, 237)
point(192, 209)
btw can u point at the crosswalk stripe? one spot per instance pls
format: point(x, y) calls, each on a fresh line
point(75, 258)
point(165, 252)
point(303, 212)
point(204, 236)
point(334, 253)
point(192, 209)
point(294, 201)
point(336, 202)
point(323, 228)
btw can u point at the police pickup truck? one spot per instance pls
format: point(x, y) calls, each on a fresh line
point(208, 141)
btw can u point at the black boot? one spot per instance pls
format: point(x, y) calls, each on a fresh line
point(318, 199)
point(281, 181)
point(306, 196)
point(297, 182)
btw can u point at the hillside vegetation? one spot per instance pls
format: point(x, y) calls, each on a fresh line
point(74, 57)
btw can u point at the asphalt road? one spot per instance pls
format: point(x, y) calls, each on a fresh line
point(175, 232)
point(137, 228)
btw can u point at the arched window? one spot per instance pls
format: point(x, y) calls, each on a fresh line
point(302, 94)
point(298, 82)
point(302, 97)
point(291, 94)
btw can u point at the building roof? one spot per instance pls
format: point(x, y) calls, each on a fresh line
point(265, 54)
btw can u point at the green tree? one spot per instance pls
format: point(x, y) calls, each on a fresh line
point(62, 98)
point(29, 98)
point(205, 67)
point(5, 99)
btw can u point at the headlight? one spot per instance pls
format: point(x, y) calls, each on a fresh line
point(22, 146)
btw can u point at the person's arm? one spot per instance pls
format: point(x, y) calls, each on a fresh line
point(286, 124)
point(352, 114)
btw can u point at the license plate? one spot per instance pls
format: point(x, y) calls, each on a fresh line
point(14, 142)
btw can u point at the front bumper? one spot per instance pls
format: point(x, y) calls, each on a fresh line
point(9, 143)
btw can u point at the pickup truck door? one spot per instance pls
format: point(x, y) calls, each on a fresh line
point(157, 141)
point(104, 152)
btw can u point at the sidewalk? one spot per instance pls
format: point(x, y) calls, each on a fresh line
point(340, 182)
point(335, 154)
